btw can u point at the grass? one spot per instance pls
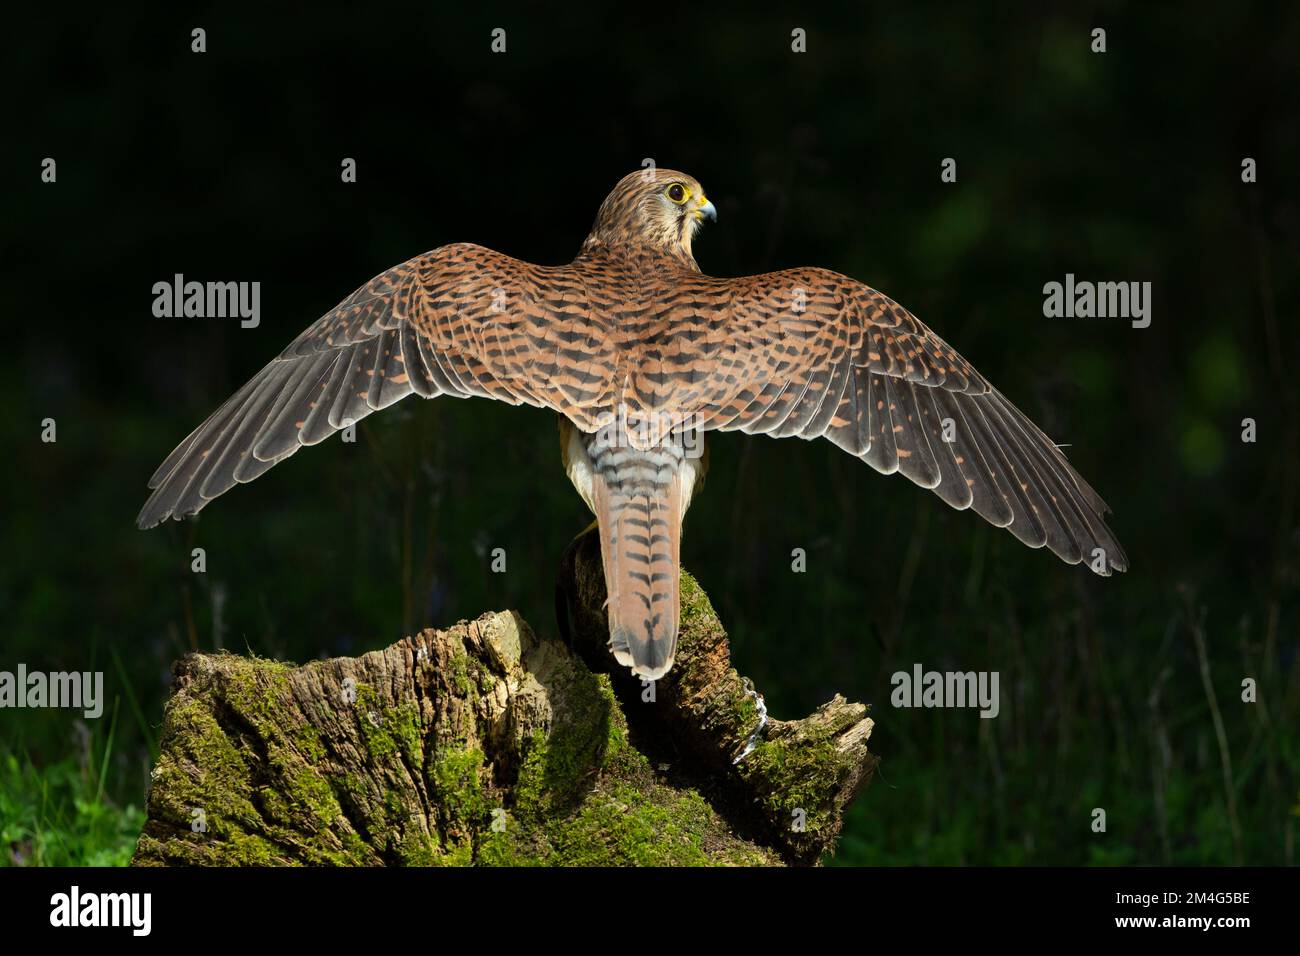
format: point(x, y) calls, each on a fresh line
point(60, 813)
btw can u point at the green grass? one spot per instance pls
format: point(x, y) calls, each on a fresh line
point(60, 813)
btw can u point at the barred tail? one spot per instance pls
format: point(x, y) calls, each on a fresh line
point(640, 543)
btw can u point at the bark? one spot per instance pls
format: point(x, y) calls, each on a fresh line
point(796, 778)
point(486, 744)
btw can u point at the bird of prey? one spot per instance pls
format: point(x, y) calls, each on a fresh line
point(640, 353)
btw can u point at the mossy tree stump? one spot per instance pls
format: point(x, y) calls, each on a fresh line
point(485, 744)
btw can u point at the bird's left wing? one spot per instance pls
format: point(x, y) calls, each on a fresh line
point(461, 320)
point(812, 353)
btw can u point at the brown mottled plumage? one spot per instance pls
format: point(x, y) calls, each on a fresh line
point(640, 354)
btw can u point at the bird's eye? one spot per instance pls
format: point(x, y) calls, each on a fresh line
point(676, 193)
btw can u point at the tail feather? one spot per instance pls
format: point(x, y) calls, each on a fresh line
point(639, 496)
point(640, 545)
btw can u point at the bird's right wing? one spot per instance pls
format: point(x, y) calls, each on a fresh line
point(461, 320)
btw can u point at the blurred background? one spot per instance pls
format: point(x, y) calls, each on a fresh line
point(1123, 694)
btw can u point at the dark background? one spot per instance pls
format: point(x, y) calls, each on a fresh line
point(1123, 166)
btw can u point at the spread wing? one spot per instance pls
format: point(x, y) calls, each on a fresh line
point(460, 320)
point(812, 353)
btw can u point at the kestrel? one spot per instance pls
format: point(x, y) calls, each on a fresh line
point(640, 353)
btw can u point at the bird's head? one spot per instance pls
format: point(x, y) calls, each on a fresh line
point(660, 208)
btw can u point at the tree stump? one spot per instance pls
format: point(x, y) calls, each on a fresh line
point(486, 744)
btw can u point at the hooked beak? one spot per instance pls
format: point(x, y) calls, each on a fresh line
point(707, 210)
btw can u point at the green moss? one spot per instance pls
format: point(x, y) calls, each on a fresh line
point(246, 849)
point(458, 855)
point(795, 771)
point(503, 849)
point(460, 675)
point(389, 731)
point(419, 849)
point(262, 803)
point(456, 789)
point(557, 768)
point(311, 795)
point(744, 713)
point(696, 605)
point(616, 724)
point(256, 689)
point(216, 783)
point(529, 793)
point(622, 824)
point(308, 742)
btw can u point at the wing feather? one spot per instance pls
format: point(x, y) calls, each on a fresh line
point(836, 359)
point(860, 369)
point(431, 326)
